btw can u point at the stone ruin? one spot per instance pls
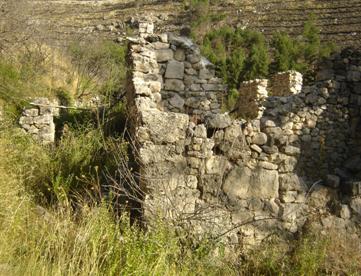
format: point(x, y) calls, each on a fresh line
point(295, 162)
point(286, 83)
point(38, 121)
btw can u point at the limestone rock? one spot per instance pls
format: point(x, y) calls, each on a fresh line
point(291, 150)
point(286, 163)
point(165, 127)
point(217, 165)
point(321, 196)
point(219, 121)
point(164, 55)
point(267, 165)
point(259, 139)
point(291, 182)
point(176, 101)
point(356, 205)
point(256, 148)
point(174, 85)
point(32, 112)
point(200, 131)
point(345, 211)
point(206, 74)
point(179, 55)
point(243, 183)
point(175, 70)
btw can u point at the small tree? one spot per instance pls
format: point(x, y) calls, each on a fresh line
point(312, 41)
point(235, 66)
point(239, 54)
point(286, 52)
point(257, 63)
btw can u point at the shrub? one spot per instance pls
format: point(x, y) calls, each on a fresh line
point(287, 53)
point(238, 54)
point(257, 63)
point(242, 55)
point(300, 54)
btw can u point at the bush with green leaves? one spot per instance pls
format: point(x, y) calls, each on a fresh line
point(238, 54)
point(301, 53)
point(241, 55)
point(78, 232)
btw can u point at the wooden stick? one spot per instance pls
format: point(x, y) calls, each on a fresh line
point(60, 106)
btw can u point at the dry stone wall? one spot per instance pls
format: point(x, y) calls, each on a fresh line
point(252, 95)
point(38, 121)
point(286, 83)
point(241, 181)
point(189, 82)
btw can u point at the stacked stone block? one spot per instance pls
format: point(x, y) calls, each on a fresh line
point(160, 141)
point(38, 121)
point(145, 28)
point(286, 83)
point(252, 95)
point(189, 82)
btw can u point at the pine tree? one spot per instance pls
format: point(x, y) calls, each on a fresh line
point(235, 65)
point(286, 54)
point(258, 62)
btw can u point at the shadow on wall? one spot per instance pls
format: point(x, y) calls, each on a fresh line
point(320, 126)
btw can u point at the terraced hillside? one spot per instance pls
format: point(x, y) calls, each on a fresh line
point(61, 20)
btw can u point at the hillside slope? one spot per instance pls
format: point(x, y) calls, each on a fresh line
point(62, 20)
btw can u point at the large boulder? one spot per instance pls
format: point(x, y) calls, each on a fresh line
point(164, 127)
point(244, 183)
point(175, 70)
point(218, 121)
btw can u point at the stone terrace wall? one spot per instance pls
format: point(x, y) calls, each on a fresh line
point(238, 181)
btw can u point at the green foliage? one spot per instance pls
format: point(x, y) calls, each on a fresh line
point(310, 255)
point(242, 55)
point(302, 53)
point(238, 54)
point(287, 53)
point(99, 67)
point(64, 97)
point(11, 84)
point(89, 240)
point(307, 257)
point(232, 99)
point(257, 63)
point(62, 172)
